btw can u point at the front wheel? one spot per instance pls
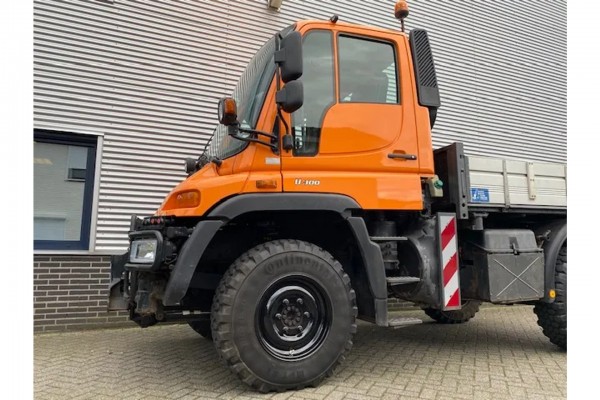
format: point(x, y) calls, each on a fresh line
point(284, 315)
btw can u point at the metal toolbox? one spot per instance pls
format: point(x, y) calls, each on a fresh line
point(502, 266)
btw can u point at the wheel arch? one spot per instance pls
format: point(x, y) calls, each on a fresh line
point(292, 214)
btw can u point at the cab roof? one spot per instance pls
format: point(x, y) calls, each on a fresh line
point(350, 26)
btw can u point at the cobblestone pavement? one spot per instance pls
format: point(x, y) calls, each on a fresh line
point(499, 354)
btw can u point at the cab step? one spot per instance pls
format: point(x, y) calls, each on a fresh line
point(401, 322)
point(402, 280)
point(388, 238)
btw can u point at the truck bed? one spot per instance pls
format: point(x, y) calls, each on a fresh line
point(497, 182)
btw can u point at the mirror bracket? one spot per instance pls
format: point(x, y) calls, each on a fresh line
point(234, 130)
point(279, 56)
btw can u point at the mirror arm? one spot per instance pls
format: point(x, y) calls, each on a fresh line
point(280, 115)
point(286, 145)
point(255, 132)
point(277, 71)
point(252, 140)
point(233, 132)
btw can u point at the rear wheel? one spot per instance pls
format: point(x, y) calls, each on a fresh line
point(468, 310)
point(552, 317)
point(202, 327)
point(284, 315)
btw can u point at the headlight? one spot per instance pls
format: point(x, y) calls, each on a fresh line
point(143, 251)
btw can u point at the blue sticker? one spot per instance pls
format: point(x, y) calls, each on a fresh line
point(479, 195)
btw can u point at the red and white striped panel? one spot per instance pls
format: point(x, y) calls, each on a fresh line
point(449, 261)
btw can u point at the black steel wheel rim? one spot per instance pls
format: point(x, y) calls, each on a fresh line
point(293, 318)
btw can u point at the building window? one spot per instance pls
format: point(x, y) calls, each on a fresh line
point(63, 185)
point(367, 71)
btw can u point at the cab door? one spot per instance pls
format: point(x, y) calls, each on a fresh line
point(354, 135)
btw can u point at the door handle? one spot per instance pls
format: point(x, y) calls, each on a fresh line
point(402, 156)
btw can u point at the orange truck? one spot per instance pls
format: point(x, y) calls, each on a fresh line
point(320, 197)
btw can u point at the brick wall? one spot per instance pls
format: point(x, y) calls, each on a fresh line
point(71, 293)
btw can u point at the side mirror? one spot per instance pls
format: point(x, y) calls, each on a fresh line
point(289, 57)
point(291, 97)
point(227, 111)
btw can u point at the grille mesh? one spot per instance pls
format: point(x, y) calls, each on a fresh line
point(424, 59)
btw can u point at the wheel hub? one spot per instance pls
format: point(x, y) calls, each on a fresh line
point(293, 318)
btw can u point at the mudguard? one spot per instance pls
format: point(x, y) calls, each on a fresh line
point(188, 259)
point(205, 230)
point(556, 235)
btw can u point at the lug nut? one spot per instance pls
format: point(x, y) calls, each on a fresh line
point(278, 316)
point(286, 302)
point(307, 314)
point(285, 329)
point(300, 328)
point(299, 301)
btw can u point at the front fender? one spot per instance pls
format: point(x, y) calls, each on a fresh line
point(205, 230)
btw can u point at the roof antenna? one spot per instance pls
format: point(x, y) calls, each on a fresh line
point(334, 18)
point(401, 11)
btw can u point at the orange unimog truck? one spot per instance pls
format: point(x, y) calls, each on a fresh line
point(320, 197)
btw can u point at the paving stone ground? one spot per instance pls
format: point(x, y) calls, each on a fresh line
point(501, 354)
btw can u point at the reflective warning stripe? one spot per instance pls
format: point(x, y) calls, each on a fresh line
point(449, 262)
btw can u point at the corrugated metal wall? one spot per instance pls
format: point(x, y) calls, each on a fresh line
point(147, 74)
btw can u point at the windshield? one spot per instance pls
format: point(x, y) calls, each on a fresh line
point(249, 94)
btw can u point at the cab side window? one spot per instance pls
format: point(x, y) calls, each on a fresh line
point(319, 92)
point(367, 70)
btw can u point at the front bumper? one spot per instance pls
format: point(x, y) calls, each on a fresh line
point(136, 290)
point(148, 289)
point(122, 294)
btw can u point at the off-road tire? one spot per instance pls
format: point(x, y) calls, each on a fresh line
point(202, 328)
point(467, 311)
point(552, 317)
point(236, 329)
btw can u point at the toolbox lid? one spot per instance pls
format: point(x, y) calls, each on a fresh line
point(508, 241)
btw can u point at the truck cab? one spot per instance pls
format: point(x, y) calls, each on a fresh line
point(360, 132)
